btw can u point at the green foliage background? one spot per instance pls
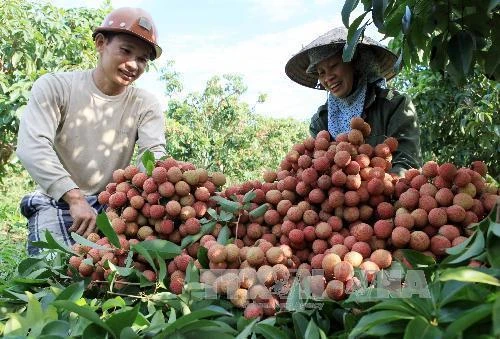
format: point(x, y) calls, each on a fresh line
point(457, 124)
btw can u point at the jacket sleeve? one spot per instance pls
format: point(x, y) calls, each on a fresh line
point(403, 126)
point(319, 121)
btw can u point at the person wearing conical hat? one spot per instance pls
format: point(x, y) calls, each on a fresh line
point(78, 127)
point(358, 89)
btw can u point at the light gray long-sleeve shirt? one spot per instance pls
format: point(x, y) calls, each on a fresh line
point(72, 135)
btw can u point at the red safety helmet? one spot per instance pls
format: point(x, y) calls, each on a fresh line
point(134, 21)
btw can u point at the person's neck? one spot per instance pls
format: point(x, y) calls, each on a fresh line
point(104, 85)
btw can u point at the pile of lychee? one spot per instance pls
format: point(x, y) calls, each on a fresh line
point(332, 206)
point(168, 205)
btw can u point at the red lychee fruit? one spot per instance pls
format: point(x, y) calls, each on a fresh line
point(447, 171)
point(419, 241)
point(253, 311)
point(400, 237)
point(439, 244)
point(382, 258)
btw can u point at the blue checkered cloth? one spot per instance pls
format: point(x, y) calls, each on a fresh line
point(45, 213)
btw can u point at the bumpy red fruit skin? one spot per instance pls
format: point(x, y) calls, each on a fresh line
point(343, 271)
point(253, 311)
point(382, 258)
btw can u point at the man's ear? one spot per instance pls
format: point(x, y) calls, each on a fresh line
point(100, 41)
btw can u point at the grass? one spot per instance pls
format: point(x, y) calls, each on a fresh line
point(13, 229)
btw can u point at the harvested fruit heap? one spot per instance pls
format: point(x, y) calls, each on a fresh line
point(332, 205)
point(166, 205)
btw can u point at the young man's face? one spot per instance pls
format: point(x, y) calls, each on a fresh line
point(123, 58)
point(336, 76)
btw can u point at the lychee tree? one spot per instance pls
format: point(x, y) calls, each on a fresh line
point(458, 124)
point(218, 131)
point(451, 36)
point(36, 38)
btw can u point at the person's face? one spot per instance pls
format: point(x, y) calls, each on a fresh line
point(336, 76)
point(123, 58)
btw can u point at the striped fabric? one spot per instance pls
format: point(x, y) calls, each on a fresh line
point(45, 213)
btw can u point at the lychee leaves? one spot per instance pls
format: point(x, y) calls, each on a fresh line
point(51, 243)
point(104, 226)
point(224, 235)
point(227, 205)
point(83, 241)
point(148, 160)
point(202, 256)
point(249, 196)
point(259, 211)
point(206, 228)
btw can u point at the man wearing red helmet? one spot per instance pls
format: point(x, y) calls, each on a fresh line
point(78, 127)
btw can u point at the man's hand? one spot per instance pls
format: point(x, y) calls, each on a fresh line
point(84, 216)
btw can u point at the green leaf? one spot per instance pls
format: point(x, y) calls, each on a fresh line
point(225, 216)
point(148, 161)
point(94, 331)
point(84, 312)
point(468, 274)
point(249, 196)
point(293, 300)
point(34, 314)
point(269, 331)
point(299, 324)
point(227, 205)
point(51, 243)
point(122, 319)
point(83, 241)
point(258, 212)
point(224, 235)
point(495, 228)
point(418, 259)
point(202, 256)
point(476, 247)
point(419, 327)
point(166, 249)
point(467, 320)
point(145, 253)
point(370, 320)
point(493, 245)
point(353, 38)
point(406, 20)
point(460, 50)
point(128, 333)
point(312, 330)
point(122, 271)
point(104, 226)
point(57, 328)
point(379, 7)
point(192, 273)
point(495, 314)
point(209, 311)
point(117, 302)
point(172, 317)
point(349, 6)
point(162, 270)
point(158, 320)
point(460, 247)
point(73, 292)
point(247, 330)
